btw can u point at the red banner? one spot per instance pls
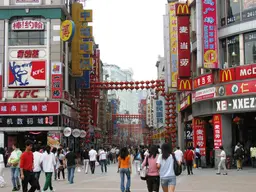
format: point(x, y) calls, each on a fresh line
point(199, 136)
point(183, 46)
point(245, 72)
point(57, 80)
point(240, 88)
point(217, 131)
point(203, 80)
point(30, 108)
point(210, 36)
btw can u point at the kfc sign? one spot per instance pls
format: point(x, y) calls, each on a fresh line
point(27, 25)
point(184, 84)
point(203, 80)
point(182, 13)
point(26, 94)
point(27, 74)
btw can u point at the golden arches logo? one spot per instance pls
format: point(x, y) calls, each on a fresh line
point(216, 118)
point(182, 9)
point(226, 75)
point(198, 121)
point(184, 84)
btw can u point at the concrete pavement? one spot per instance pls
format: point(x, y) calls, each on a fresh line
point(203, 180)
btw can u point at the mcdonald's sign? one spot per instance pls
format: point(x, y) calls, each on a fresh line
point(184, 84)
point(216, 118)
point(197, 121)
point(227, 75)
point(182, 9)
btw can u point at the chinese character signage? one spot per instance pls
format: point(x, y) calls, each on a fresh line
point(173, 45)
point(29, 121)
point(184, 85)
point(67, 30)
point(182, 12)
point(27, 25)
point(217, 131)
point(30, 108)
point(84, 81)
point(27, 73)
point(86, 47)
point(57, 80)
point(85, 32)
point(203, 80)
point(188, 135)
point(199, 135)
point(210, 36)
point(28, 2)
point(86, 16)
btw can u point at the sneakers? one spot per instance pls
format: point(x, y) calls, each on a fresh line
point(14, 189)
point(18, 188)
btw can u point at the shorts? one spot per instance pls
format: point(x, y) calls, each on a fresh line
point(168, 181)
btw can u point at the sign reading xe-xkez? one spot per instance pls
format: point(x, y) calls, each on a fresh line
point(184, 73)
point(236, 104)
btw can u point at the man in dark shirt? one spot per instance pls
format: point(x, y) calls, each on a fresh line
point(71, 165)
point(26, 169)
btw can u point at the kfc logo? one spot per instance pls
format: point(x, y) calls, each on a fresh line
point(27, 74)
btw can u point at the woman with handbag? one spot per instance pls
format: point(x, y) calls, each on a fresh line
point(61, 163)
point(152, 175)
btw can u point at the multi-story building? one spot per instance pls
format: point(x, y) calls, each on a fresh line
point(219, 102)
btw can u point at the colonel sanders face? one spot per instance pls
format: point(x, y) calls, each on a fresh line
point(21, 71)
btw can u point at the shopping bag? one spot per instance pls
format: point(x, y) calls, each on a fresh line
point(143, 173)
point(79, 170)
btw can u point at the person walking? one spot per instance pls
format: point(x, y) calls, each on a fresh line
point(6, 155)
point(198, 157)
point(71, 165)
point(153, 179)
point(189, 158)
point(26, 169)
point(37, 165)
point(222, 163)
point(14, 161)
point(165, 164)
point(103, 160)
point(93, 158)
point(125, 168)
point(253, 155)
point(2, 166)
point(48, 164)
point(60, 164)
point(137, 160)
point(239, 154)
point(86, 160)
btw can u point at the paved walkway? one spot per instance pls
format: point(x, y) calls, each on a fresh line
point(204, 180)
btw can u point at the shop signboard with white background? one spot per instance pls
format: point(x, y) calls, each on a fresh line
point(204, 94)
point(18, 94)
point(28, 2)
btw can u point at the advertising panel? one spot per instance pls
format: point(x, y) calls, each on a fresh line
point(173, 45)
point(210, 36)
point(28, 2)
point(28, 25)
point(1, 81)
point(203, 80)
point(184, 85)
point(84, 81)
point(199, 135)
point(186, 102)
point(227, 75)
point(57, 80)
point(86, 16)
point(189, 135)
point(30, 108)
point(19, 94)
point(85, 32)
point(245, 72)
point(67, 30)
point(217, 131)
point(204, 94)
point(249, 9)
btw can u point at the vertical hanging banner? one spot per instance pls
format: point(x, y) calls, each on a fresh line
point(1, 81)
point(199, 135)
point(210, 34)
point(182, 13)
point(217, 131)
point(57, 80)
point(173, 45)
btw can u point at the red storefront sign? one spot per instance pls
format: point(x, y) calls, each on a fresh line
point(203, 80)
point(182, 12)
point(199, 136)
point(245, 72)
point(30, 108)
point(27, 25)
point(26, 93)
point(217, 131)
point(28, 53)
point(240, 88)
point(227, 75)
point(184, 85)
point(57, 86)
point(210, 36)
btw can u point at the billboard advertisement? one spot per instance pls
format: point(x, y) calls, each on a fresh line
point(57, 80)
point(173, 45)
point(210, 34)
point(184, 85)
point(199, 135)
point(217, 131)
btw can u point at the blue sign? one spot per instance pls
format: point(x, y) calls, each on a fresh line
point(84, 81)
point(159, 111)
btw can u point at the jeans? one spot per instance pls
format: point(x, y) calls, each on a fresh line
point(62, 170)
point(198, 162)
point(86, 165)
point(153, 183)
point(189, 166)
point(71, 174)
point(137, 165)
point(37, 176)
point(15, 177)
point(126, 172)
point(103, 163)
point(48, 181)
point(29, 177)
point(92, 165)
point(253, 162)
point(222, 163)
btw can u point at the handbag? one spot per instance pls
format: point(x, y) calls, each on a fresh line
point(144, 171)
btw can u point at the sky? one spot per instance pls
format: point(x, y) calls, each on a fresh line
point(129, 33)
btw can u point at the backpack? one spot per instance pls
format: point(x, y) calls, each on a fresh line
point(176, 167)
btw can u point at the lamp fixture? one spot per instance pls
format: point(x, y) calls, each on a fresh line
point(234, 54)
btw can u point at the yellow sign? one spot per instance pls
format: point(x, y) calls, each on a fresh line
point(173, 45)
point(243, 88)
point(85, 15)
point(182, 9)
point(210, 58)
point(67, 30)
point(86, 47)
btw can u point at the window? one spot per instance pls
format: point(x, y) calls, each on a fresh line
point(223, 53)
point(233, 51)
point(250, 48)
point(222, 19)
point(26, 37)
point(233, 11)
point(249, 9)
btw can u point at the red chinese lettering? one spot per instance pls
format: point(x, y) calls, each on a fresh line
point(35, 54)
point(22, 24)
point(40, 25)
point(26, 24)
point(20, 53)
point(32, 25)
point(65, 32)
point(18, 25)
point(28, 54)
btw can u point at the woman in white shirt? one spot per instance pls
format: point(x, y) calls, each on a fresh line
point(49, 161)
point(37, 165)
point(222, 162)
point(2, 182)
point(103, 160)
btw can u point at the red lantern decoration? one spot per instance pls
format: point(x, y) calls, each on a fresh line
point(236, 120)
